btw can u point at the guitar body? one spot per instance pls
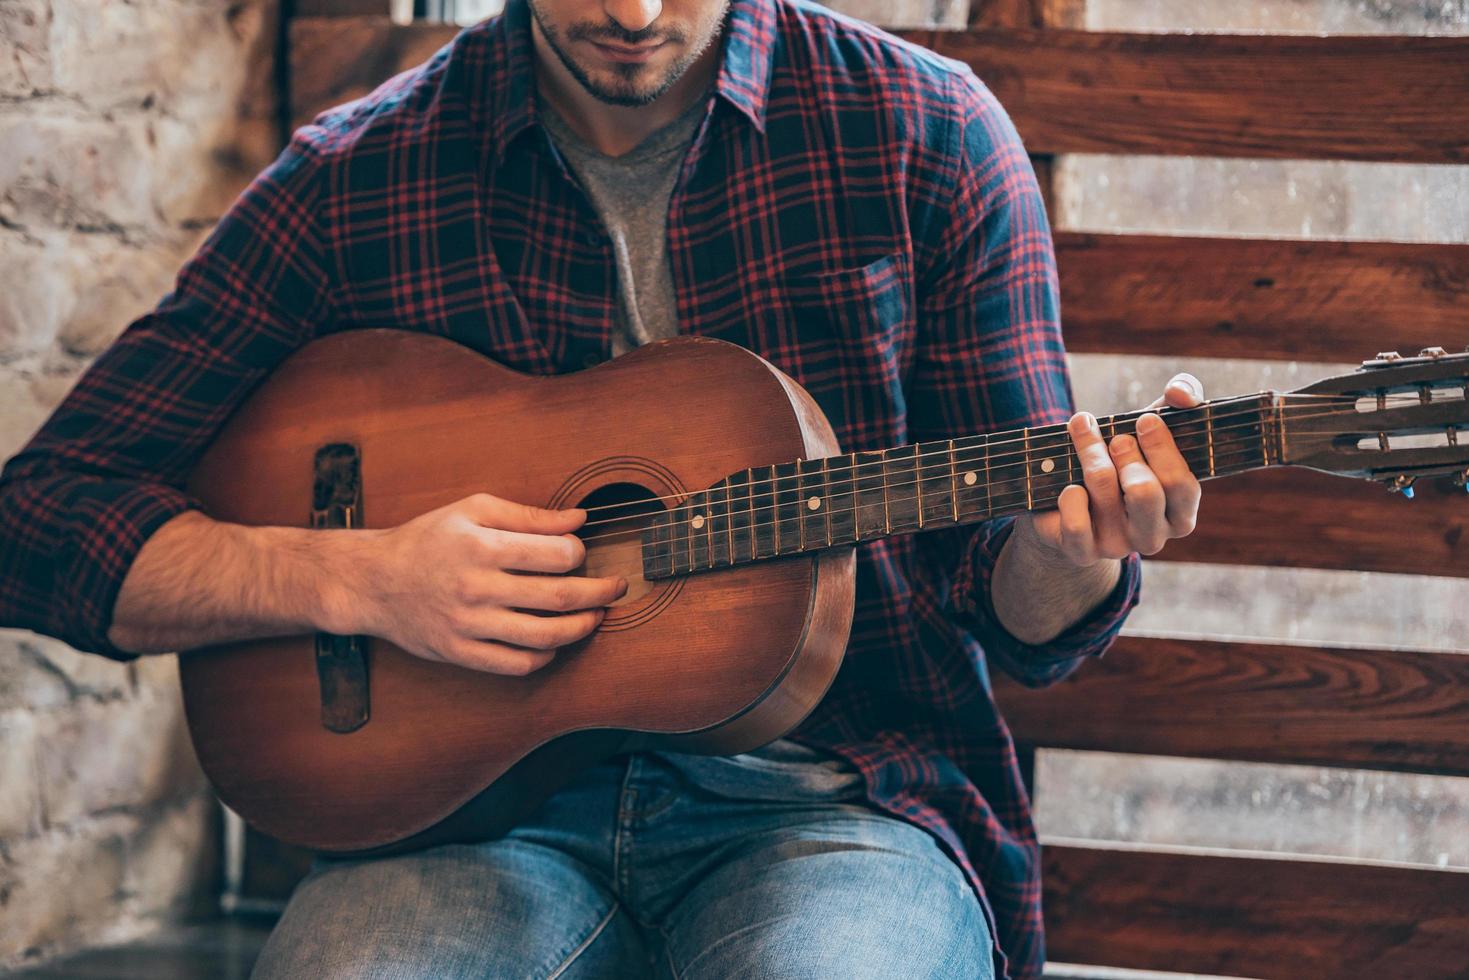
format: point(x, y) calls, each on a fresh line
point(719, 662)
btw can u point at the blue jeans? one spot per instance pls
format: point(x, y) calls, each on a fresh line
point(634, 870)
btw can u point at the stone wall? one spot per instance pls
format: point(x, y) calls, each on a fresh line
point(127, 127)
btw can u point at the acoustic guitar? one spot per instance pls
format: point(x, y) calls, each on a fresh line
point(734, 524)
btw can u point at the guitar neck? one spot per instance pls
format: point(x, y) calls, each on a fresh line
point(808, 505)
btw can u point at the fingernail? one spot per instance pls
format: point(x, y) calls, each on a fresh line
point(1148, 423)
point(1091, 423)
point(1188, 385)
point(1121, 444)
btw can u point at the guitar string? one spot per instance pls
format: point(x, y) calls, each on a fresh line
point(1399, 400)
point(847, 476)
point(848, 472)
point(1010, 492)
point(1003, 502)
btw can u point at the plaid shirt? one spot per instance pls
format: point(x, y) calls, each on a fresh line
point(855, 209)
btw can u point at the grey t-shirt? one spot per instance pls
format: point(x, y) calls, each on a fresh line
point(630, 194)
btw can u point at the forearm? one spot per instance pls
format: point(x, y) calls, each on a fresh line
point(1038, 594)
point(198, 582)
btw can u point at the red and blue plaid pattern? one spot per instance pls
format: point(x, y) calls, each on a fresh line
point(855, 209)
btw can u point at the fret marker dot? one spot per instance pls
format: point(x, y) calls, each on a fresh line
point(1047, 465)
point(971, 478)
point(814, 503)
point(698, 521)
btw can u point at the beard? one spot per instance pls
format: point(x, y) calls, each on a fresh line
point(628, 84)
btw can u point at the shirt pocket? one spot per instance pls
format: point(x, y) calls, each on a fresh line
point(848, 340)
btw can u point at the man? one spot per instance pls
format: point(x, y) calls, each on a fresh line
point(553, 187)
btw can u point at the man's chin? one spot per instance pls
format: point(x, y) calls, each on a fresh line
point(615, 88)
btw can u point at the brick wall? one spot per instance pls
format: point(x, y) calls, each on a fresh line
point(127, 127)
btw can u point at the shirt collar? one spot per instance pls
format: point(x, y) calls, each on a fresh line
point(743, 79)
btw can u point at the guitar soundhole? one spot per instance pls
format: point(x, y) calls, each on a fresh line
point(617, 514)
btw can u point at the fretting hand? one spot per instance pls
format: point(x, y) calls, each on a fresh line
point(1138, 494)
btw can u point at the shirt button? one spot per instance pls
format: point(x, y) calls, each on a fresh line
point(591, 238)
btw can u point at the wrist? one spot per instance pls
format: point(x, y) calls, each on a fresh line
point(341, 588)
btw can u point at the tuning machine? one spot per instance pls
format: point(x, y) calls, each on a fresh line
point(1403, 484)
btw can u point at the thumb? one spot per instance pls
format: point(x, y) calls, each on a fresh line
point(1182, 391)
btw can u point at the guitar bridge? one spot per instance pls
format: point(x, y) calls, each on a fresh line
point(341, 661)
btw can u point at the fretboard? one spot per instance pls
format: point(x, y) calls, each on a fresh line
point(806, 505)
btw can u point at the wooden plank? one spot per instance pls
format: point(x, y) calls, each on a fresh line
point(1293, 300)
point(1254, 917)
point(337, 59)
point(1027, 13)
point(1255, 702)
point(342, 8)
point(1225, 94)
point(1298, 518)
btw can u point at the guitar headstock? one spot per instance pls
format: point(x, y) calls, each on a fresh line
point(1394, 419)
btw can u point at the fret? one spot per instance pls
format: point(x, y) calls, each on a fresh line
point(729, 521)
point(709, 528)
point(953, 482)
point(845, 503)
point(918, 481)
point(1025, 440)
point(753, 525)
point(869, 496)
point(973, 463)
point(902, 469)
point(905, 472)
point(741, 517)
point(1007, 471)
point(766, 526)
point(824, 501)
point(696, 527)
point(887, 516)
point(1049, 445)
point(668, 539)
point(788, 527)
point(989, 478)
point(812, 477)
point(658, 550)
point(1209, 433)
point(934, 481)
point(775, 509)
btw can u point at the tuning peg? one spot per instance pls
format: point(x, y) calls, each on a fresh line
point(1402, 484)
point(1433, 352)
point(1462, 480)
point(1389, 355)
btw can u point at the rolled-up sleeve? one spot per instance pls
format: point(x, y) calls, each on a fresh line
point(989, 357)
point(108, 468)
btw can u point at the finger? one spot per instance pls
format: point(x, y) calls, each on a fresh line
point(508, 515)
point(496, 658)
point(1182, 391)
point(554, 593)
point(1180, 486)
point(530, 631)
point(1097, 472)
point(1146, 527)
point(532, 552)
point(1078, 539)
